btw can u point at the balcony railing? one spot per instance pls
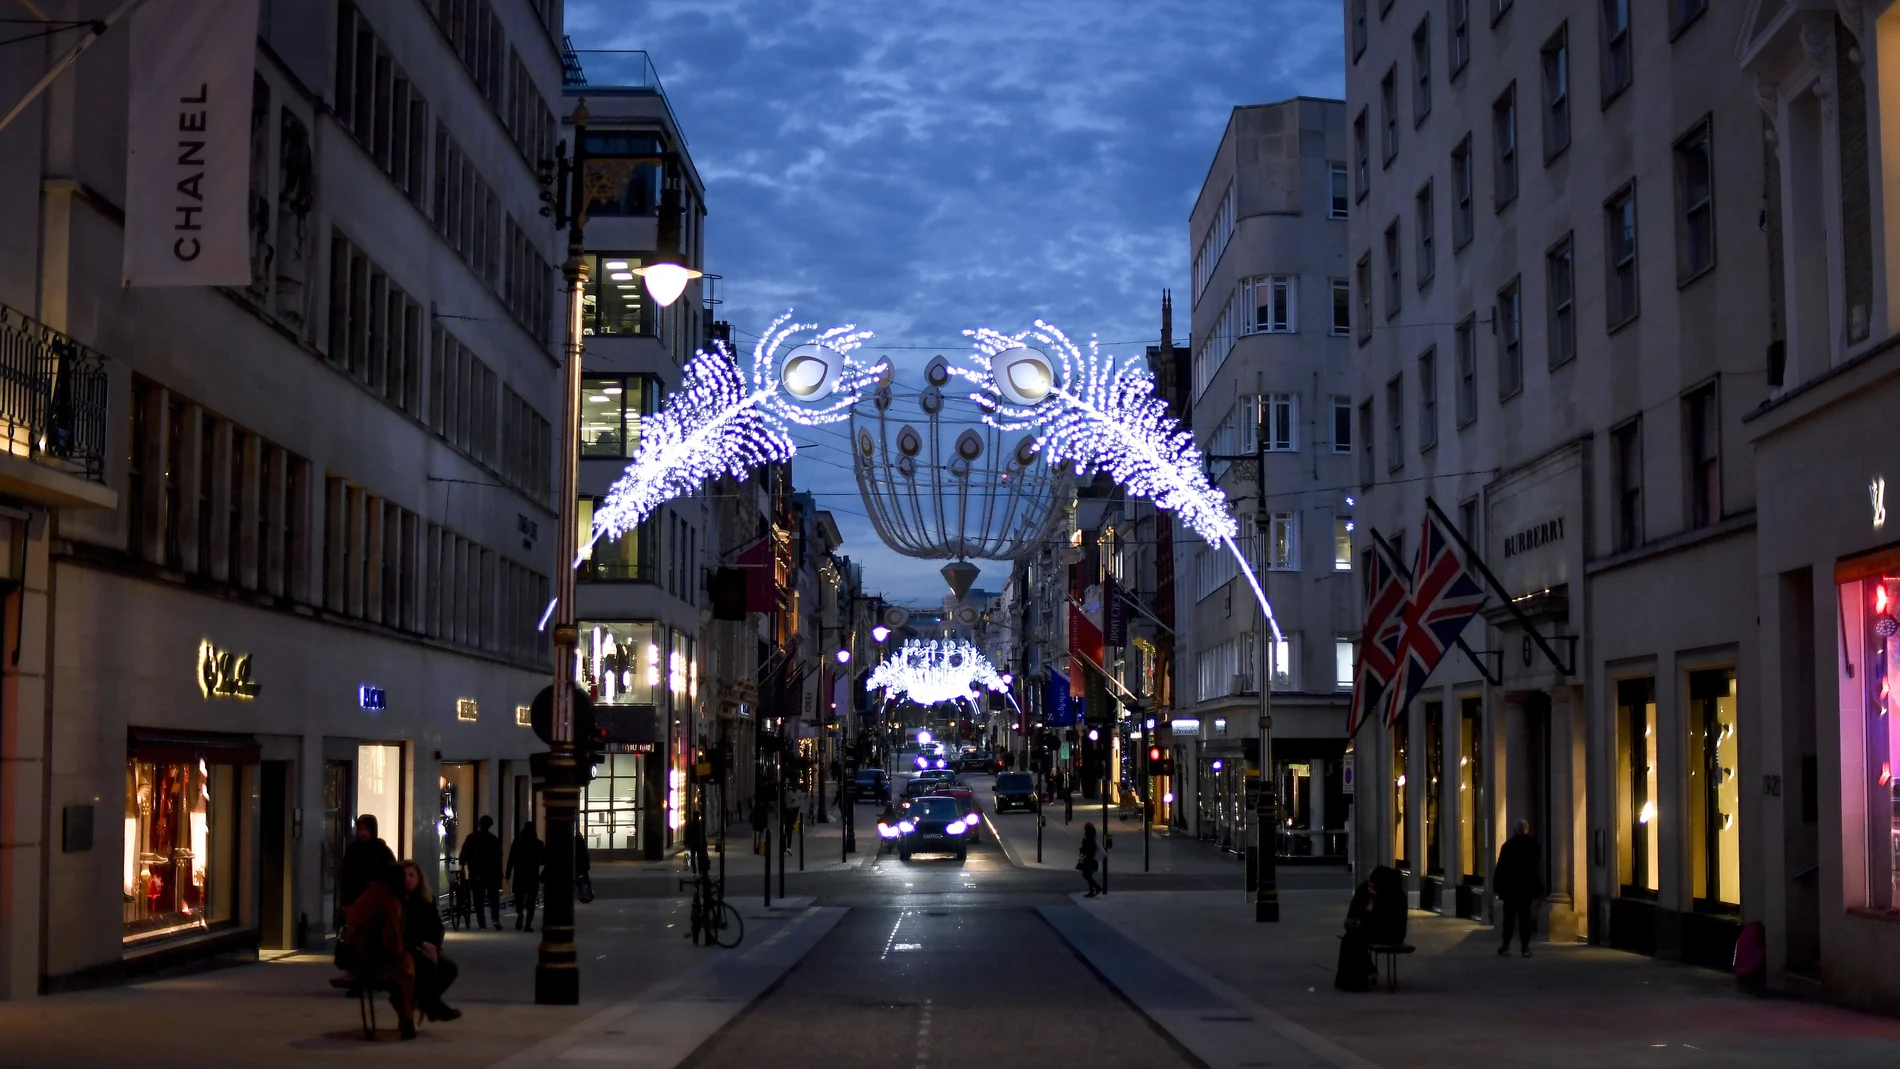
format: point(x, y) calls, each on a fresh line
point(613, 71)
point(52, 397)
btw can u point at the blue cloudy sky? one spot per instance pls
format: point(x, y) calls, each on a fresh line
point(923, 166)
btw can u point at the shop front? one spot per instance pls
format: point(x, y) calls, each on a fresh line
point(646, 675)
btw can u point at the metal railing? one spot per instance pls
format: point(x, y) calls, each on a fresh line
point(52, 397)
point(614, 70)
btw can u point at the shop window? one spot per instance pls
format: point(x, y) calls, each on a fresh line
point(1637, 847)
point(1473, 850)
point(379, 792)
point(611, 810)
point(1399, 754)
point(1434, 764)
point(1714, 792)
point(455, 786)
point(181, 822)
point(1871, 663)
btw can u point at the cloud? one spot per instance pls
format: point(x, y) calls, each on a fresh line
point(923, 167)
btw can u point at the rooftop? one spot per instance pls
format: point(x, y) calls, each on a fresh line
point(613, 72)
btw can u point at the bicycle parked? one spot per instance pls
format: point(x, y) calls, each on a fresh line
point(714, 921)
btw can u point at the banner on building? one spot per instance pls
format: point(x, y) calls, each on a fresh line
point(1057, 707)
point(188, 140)
point(1085, 645)
point(1114, 615)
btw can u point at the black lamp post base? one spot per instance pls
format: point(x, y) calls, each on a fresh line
point(557, 985)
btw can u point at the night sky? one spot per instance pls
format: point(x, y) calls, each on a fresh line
point(919, 168)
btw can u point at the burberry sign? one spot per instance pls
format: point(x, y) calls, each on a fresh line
point(1534, 536)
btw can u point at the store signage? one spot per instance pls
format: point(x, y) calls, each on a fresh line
point(633, 747)
point(1877, 494)
point(1534, 536)
point(1186, 725)
point(372, 698)
point(223, 674)
point(524, 716)
point(466, 710)
point(1345, 778)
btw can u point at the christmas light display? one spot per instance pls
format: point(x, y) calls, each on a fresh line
point(723, 419)
point(1100, 415)
point(928, 672)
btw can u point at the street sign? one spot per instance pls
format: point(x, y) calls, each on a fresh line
point(1345, 778)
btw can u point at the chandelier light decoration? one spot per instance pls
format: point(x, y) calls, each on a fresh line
point(937, 670)
point(1099, 415)
point(724, 419)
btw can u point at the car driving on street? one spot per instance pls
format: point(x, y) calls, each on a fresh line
point(1015, 790)
point(933, 825)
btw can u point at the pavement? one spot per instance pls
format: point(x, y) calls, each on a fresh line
point(995, 960)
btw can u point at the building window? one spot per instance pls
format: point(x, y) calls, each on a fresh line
point(1342, 424)
point(1638, 847)
point(1617, 70)
point(1342, 308)
point(1695, 204)
point(614, 302)
point(632, 557)
point(1285, 659)
point(1365, 445)
point(1365, 298)
point(1389, 115)
point(1556, 57)
point(1400, 753)
point(1510, 340)
point(182, 841)
point(1703, 427)
point(1423, 231)
point(1271, 304)
point(1870, 641)
point(1358, 28)
point(1461, 215)
point(1392, 269)
point(1626, 471)
point(1473, 852)
point(1395, 423)
point(1427, 399)
point(1281, 422)
point(1342, 664)
point(1342, 543)
point(1283, 542)
point(1458, 19)
point(1683, 12)
point(1361, 155)
point(1422, 70)
point(1220, 230)
point(1336, 191)
point(1561, 291)
point(1715, 863)
point(1619, 244)
point(612, 407)
point(1465, 341)
point(1504, 148)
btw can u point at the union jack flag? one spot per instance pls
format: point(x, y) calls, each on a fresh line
point(1445, 596)
point(1386, 595)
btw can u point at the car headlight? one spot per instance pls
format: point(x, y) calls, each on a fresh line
point(939, 762)
point(972, 820)
point(906, 827)
point(887, 832)
point(955, 827)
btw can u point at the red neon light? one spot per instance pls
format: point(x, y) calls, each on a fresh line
point(1886, 774)
point(1880, 598)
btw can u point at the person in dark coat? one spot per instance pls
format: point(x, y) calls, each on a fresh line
point(481, 867)
point(422, 933)
point(761, 820)
point(376, 949)
point(1086, 863)
point(365, 860)
point(1390, 907)
point(525, 859)
point(1356, 969)
point(1518, 887)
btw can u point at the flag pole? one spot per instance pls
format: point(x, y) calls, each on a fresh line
point(1517, 614)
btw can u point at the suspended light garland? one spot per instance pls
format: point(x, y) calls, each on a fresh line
point(1099, 415)
point(928, 672)
point(723, 419)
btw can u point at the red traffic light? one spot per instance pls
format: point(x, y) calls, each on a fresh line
point(1154, 753)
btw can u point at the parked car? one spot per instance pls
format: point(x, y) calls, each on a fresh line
point(933, 825)
point(872, 785)
point(1015, 790)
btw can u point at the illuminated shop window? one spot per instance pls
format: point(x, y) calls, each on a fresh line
point(1639, 835)
point(181, 819)
point(1870, 678)
point(1715, 863)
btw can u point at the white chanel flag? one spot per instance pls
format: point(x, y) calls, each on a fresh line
point(188, 141)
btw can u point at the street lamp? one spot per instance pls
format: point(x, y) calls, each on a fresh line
point(844, 656)
point(880, 632)
point(665, 271)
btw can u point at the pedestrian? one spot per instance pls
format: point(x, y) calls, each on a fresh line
point(1068, 800)
point(524, 874)
point(375, 950)
point(1518, 887)
point(1086, 863)
point(481, 871)
point(365, 860)
point(422, 934)
point(583, 883)
point(788, 820)
point(761, 820)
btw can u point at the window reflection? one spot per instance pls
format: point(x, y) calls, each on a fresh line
point(617, 185)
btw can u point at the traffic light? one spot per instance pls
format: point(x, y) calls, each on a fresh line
point(1154, 754)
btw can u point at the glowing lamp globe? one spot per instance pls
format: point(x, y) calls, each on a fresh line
point(1024, 376)
point(665, 282)
point(810, 371)
point(844, 656)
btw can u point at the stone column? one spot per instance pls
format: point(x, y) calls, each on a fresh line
point(1316, 808)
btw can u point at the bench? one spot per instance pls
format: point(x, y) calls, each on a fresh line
point(1386, 957)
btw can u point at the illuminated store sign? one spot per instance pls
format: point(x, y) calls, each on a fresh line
point(1186, 726)
point(372, 698)
point(466, 709)
point(1877, 495)
point(223, 674)
point(524, 717)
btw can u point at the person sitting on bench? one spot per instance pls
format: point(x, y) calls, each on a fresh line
point(378, 949)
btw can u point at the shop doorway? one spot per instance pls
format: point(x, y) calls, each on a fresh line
point(338, 779)
point(379, 792)
point(456, 814)
point(273, 801)
point(1528, 793)
point(1801, 826)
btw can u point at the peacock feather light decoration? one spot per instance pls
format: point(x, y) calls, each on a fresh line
point(1098, 414)
point(726, 419)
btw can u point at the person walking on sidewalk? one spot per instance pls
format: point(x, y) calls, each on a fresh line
point(481, 867)
point(1518, 887)
point(524, 874)
point(1068, 800)
point(761, 820)
point(1086, 863)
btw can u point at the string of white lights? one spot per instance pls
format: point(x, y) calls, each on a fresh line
point(935, 670)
